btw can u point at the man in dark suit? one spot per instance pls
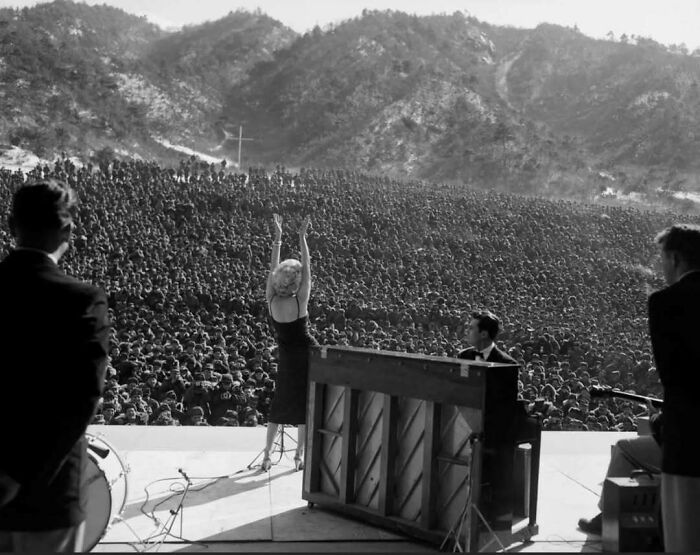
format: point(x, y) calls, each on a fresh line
point(674, 326)
point(504, 421)
point(481, 334)
point(54, 333)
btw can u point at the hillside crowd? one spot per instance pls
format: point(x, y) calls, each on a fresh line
point(183, 255)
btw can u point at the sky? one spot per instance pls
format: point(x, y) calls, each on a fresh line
point(666, 21)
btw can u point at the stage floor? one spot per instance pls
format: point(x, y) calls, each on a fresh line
point(231, 508)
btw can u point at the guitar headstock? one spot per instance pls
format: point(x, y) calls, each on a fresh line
point(601, 391)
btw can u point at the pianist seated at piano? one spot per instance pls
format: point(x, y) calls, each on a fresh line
point(481, 332)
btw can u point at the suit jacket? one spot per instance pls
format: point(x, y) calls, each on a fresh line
point(496, 355)
point(674, 326)
point(502, 421)
point(54, 336)
point(501, 396)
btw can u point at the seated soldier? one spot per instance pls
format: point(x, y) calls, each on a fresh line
point(130, 416)
point(639, 453)
point(163, 417)
point(196, 415)
point(230, 418)
point(108, 412)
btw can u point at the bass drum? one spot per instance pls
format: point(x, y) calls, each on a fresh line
point(107, 491)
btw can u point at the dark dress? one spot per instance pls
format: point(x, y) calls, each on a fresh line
point(289, 402)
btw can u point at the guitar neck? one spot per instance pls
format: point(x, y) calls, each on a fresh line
point(657, 403)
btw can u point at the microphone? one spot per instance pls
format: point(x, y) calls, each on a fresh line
point(184, 475)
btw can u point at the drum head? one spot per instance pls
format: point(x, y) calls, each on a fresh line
point(99, 505)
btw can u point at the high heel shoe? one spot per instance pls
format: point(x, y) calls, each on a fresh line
point(266, 464)
point(298, 463)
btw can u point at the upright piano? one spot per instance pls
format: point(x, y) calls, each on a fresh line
point(436, 448)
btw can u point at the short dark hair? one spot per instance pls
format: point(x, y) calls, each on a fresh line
point(487, 321)
point(43, 206)
point(683, 239)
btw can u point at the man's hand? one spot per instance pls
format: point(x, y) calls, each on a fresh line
point(9, 488)
point(652, 410)
point(656, 422)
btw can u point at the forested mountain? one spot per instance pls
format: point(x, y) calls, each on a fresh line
point(441, 97)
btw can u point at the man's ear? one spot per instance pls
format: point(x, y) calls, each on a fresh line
point(67, 231)
point(676, 259)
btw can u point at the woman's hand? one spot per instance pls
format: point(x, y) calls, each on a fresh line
point(278, 226)
point(305, 226)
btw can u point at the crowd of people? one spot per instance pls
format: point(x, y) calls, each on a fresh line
point(183, 255)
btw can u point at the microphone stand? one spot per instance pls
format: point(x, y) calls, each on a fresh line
point(278, 443)
point(170, 521)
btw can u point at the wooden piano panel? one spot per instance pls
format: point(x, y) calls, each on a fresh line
point(453, 467)
point(368, 447)
point(331, 439)
point(408, 468)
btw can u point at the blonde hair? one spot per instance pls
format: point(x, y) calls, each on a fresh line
point(286, 277)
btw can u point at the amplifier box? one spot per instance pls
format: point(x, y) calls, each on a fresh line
point(631, 514)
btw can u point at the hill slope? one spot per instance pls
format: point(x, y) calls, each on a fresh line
point(77, 77)
point(440, 97)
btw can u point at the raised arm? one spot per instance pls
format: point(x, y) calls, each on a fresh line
point(275, 260)
point(305, 287)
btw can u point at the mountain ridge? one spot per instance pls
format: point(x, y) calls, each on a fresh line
point(443, 97)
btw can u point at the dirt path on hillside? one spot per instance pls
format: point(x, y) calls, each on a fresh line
point(501, 77)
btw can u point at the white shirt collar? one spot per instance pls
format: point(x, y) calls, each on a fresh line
point(688, 273)
point(485, 353)
point(49, 254)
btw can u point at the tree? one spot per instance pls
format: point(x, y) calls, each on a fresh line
point(502, 134)
point(103, 157)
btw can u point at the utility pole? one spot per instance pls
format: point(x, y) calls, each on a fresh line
point(240, 142)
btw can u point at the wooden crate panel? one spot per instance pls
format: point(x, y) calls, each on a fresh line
point(408, 471)
point(368, 449)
